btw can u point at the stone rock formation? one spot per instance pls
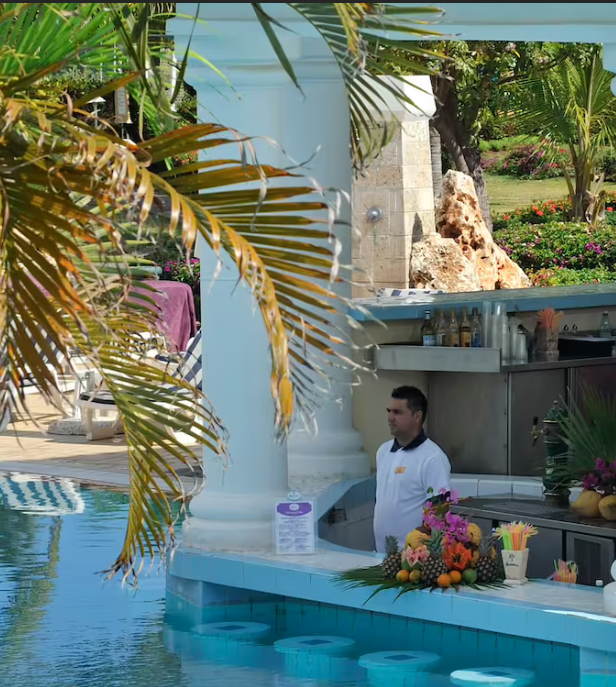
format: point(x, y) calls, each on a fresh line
point(463, 255)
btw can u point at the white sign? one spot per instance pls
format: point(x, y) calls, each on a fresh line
point(294, 527)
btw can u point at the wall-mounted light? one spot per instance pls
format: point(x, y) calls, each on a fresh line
point(374, 214)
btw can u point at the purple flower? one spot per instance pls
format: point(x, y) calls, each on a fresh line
point(589, 481)
point(600, 464)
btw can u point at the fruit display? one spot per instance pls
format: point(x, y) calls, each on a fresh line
point(598, 498)
point(391, 564)
point(445, 552)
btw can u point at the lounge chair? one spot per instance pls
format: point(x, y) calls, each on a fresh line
point(189, 370)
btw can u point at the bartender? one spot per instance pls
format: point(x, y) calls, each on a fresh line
point(407, 466)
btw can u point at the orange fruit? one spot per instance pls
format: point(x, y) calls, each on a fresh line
point(444, 581)
point(456, 577)
point(403, 576)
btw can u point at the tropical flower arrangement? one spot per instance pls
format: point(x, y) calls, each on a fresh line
point(445, 552)
point(598, 499)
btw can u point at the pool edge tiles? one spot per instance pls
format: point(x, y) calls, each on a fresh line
point(231, 578)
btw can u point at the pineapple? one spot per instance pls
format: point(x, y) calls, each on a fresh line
point(435, 565)
point(487, 564)
point(392, 564)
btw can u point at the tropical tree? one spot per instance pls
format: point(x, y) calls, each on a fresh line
point(474, 86)
point(573, 106)
point(72, 189)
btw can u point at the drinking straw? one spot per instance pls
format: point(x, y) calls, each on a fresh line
point(515, 535)
point(565, 571)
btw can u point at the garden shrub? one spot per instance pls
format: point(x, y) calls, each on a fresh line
point(534, 162)
point(569, 277)
point(559, 245)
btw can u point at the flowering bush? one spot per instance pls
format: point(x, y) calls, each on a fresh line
point(549, 211)
point(602, 478)
point(188, 272)
point(559, 245)
point(569, 277)
point(534, 162)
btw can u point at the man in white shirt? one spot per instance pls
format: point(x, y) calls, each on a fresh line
point(407, 466)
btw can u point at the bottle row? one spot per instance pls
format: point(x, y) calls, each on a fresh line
point(446, 330)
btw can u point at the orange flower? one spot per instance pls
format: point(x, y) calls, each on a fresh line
point(457, 556)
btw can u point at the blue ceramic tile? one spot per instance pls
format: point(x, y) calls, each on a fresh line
point(591, 659)
point(593, 634)
point(562, 659)
point(542, 654)
point(505, 647)
point(486, 647)
point(470, 613)
point(261, 578)
point(432, 636)
point(292, 583)
point(524, 654)
point(469, 640)
point(508, 619)
point(423, 605)
point(220, 571)
point(550, 627)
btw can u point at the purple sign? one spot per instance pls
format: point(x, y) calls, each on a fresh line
point(292, 509)
point(295, 527)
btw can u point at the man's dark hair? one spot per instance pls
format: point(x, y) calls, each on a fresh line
point(415, 399)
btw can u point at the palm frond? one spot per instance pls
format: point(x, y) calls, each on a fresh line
point(589, 431)
point(358, 36)
point(69, 191)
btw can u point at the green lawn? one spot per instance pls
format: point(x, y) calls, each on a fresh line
point(507, 193)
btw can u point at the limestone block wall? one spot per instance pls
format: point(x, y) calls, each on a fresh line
point(399, 183)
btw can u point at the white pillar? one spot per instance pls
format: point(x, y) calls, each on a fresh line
point(234, 510)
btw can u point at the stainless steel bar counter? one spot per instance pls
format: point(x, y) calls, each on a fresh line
point(562, 534)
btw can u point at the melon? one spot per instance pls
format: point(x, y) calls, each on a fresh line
point(607, 507)
point(587, 504)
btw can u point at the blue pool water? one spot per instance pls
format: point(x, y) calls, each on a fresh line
point(61, 626)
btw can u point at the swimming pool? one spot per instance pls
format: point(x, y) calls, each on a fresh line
point(61, 626)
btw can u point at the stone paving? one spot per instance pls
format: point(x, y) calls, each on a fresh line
point(25, 447)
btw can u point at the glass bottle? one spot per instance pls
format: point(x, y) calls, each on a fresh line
point(441, 329)
point(465, 330)
point(453, 332)
point(605, 328)
point(476, 330)
point(428, 337)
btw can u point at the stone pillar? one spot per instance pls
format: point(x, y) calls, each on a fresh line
point(399, 183)
point(234, 510)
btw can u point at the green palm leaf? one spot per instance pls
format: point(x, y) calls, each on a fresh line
point(70, 195)
point(356, 35)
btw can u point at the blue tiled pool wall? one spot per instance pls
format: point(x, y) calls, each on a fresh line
point(555, 664)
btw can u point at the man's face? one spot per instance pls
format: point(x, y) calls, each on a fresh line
point(402, 420)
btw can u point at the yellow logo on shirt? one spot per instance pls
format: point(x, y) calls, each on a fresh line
point(399, 470)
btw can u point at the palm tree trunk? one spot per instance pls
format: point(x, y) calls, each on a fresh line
point(437, 162)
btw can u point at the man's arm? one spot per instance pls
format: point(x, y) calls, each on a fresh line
point(438, 475)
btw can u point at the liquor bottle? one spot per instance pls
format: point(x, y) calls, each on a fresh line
point(453, 332)
point(428, 337)
point(605, 328)
point(465, 330)
point(476, 330)
point(441, 329)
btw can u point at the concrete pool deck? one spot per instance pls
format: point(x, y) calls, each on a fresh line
point(26, 448)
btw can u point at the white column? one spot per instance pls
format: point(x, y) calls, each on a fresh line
point(234, 509)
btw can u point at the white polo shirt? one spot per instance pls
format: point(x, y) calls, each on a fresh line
point(403, 478)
